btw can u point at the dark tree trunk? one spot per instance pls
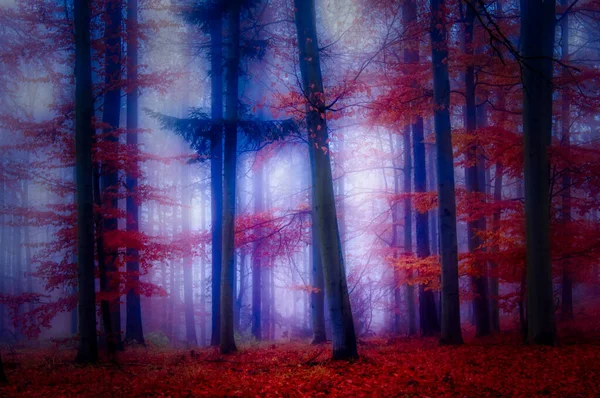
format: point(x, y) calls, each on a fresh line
point(411, 56)
point(433, 214)
point(3, 378)
point(317, 295)
point(565, 140)
point(203, 273)
point(188, 266)
point(408, 250)
point(110, 179)
point(494, 287)
point(256, 255)
point(87, 350)
point(239, 302)
point(230, 162)
point(133, 330)
point(537, 36)
point(450, 307)
point(427, 310)
point(109, 336)
point(473, 183)
point(324, 212)
point(216, 174)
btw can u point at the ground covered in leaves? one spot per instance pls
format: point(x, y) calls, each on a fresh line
point(498, 366)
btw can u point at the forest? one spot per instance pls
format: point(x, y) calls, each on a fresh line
point(299, 198)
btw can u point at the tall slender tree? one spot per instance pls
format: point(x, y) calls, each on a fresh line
point(227, 344)
point(188, 265)
point(134, 330)
point(256, 255)
point(450, 306)
point(408, 240)
point(110, 173)
point(565, 140)
point(216, 170)
point(427, 310)
point(324, 212)
point(537, 39)
point(87, 349)
point(472, 178)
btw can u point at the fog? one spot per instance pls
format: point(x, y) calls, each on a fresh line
point(373, 100)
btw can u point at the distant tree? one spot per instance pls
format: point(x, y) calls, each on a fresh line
point(257, 190)
point(537, 37)
point(565, 140)
point(450, 306)
point(87, 351)
point(324, 212)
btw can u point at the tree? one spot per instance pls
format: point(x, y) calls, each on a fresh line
point(188, 266)
point(216, 171)
point(323, 206)
point(472, 177)
point(537, 38)
point(227, 344)
point(110, 179)
point(427, 310)
point(134, 330)
point(565, 140)
point(256, 255)
point(408, 214)
point(3, 378)
point(87, 350)
point(450, 306)
point(317, 294)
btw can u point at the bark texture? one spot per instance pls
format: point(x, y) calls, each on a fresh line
point(324, 212)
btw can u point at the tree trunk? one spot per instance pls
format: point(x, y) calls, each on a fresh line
point(472, 178)
point(202, 273)
point(87, 350)
point(411, 56)
point(107, 325)
point(256, 255)
point(324, 212)
point(317, 295)
point(427, 310)
point(537, 36)
point(230, 162)
point(494, 286)
point(110, 179)
point(188, 265)
point(216, 174)
point(433, 214)
point(134, 330)
point(565, 140)
point(410, 294)
point(450, 307)
point(3, 379)
point(27, 243)
point(239, 303)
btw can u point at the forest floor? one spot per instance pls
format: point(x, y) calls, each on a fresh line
point(496, 366)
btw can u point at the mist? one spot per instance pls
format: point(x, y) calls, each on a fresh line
point(305, 182)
